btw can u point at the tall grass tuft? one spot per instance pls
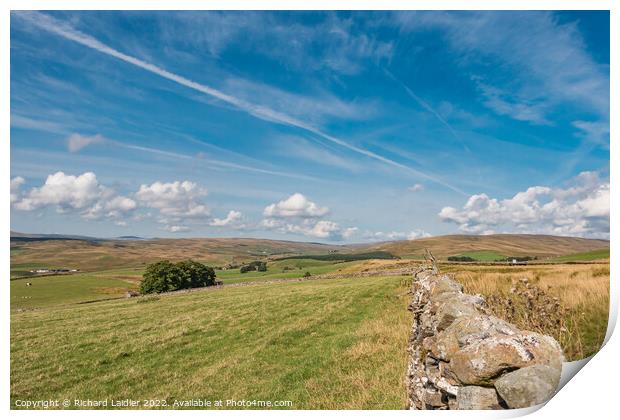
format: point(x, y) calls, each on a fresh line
point(570, 303)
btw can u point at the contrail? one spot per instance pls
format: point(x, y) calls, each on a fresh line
point(427, 107)
point(208, 160)
point(60, 28)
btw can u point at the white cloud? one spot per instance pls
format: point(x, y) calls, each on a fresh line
point(396, 235)
point(298, 215)
point(417, 234)
point(65, 191)
point(297, 205)
point(76, 142)
point(113, 208)
point(322, 229)
point(232, 218)
point(581, 210)
point(350, 232)
point(271, 224)
point(416, 188)
point(176, 228)
point(174, 200)
point(16, 183)
point(82, 193)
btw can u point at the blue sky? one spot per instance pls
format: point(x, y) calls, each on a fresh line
point(314, 126)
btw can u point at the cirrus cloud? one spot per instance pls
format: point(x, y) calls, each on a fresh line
point(416, 188)
point(76, 141)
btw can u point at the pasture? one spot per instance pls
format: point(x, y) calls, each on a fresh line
point(336, 342)
point(78, 288)
point(320, 344)
point(596, 255)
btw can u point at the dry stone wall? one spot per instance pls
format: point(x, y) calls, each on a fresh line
point(463, 358)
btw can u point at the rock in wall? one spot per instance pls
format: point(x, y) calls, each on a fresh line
point(463, 358)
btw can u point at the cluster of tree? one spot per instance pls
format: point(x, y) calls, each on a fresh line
point(164, 276)
point(254, 266)
point(460, 258)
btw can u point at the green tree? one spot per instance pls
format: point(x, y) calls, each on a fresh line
point(195, 274)
point(253, 266)
point(164, 276)
point(159, 277)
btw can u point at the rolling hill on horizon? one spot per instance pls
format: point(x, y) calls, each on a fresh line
point(504, 244)
point(87, 253)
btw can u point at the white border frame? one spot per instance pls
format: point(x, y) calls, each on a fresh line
point(590, 394)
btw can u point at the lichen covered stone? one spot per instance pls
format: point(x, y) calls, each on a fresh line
point(528, 386)
point(481, 362)
point(477, 398)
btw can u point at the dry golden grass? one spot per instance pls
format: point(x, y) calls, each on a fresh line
point(579, 322)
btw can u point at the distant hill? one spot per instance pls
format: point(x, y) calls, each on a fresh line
point(504, 244)
point(99, 254)
point(88, 253)
point(28, 237)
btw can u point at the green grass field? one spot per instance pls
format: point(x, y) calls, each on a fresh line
point(599, 254)
point(65, 290)
point(103, 285)
point(483, 256)
point(284, 269)
point(320, 344)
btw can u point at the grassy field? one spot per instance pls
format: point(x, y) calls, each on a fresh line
point(290, 268)
point(65, 290)
point(484, 256)
point(69, 289)
point(320, 344)
point(599, 254)
point(579, 322)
